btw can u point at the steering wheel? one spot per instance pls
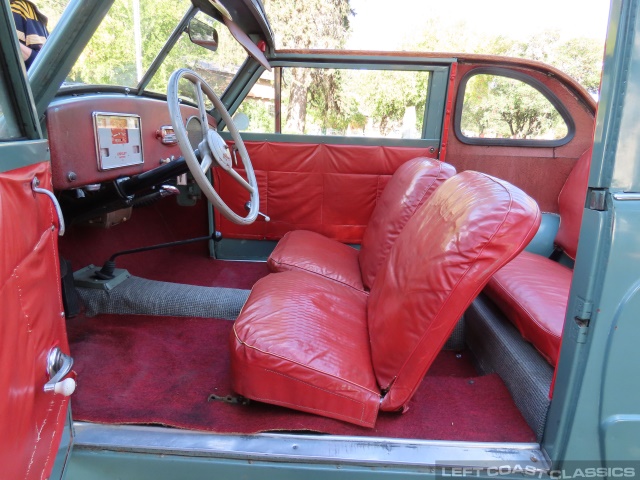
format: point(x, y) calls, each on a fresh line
point(214, 151)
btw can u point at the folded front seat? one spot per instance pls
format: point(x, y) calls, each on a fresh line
point(310, 343)
point(409, 187)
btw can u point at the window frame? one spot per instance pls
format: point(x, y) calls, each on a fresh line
point(521, 142)
point(435, 98)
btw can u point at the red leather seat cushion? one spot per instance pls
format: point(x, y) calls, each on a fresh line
point(411, 185)
point(315, 253)
point(301, 341)
point(471, 226)
point(533, 291)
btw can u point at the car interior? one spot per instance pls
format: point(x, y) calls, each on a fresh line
point(241, 282)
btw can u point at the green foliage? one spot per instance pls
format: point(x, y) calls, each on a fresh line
point(502, 107)
point(337, 101)
point(319, 24)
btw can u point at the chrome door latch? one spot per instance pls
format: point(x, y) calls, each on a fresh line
point(59, 366)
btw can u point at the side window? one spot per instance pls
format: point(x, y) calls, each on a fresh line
point(9, 128)
point(341, 102)
point(504, 108)
point(257, 111)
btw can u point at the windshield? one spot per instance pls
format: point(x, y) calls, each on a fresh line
point(131, 36)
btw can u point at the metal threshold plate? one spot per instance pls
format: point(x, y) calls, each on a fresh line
point(363, 451)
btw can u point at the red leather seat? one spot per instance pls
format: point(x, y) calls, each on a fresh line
point(532, 290)
point(310, 343)
point(410, 186)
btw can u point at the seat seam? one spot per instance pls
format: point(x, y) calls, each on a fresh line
point(264, 352)
point(361, 404)
point(300, 269)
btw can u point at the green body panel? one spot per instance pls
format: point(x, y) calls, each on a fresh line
point(22, 153)
point(103, 465)
point(595, 410)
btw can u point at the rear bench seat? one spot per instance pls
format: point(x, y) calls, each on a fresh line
point(531, 290)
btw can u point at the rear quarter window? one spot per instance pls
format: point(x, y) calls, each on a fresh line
point(503, 107)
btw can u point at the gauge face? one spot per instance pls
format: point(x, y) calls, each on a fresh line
point(118, 140)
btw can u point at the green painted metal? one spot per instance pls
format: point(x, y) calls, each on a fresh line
point(104, 465)
point(542, 243)
point(22, 153)
point(436, 100)
point(64, 450)
point(233, 249)
point(336, 140)
point(324, 59)
point(595, 412)
point(67, 41)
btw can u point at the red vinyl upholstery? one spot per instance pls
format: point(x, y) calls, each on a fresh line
point(315, 253)
point(329, 189)
point(470, 227)
point(571, 205)
point(313, 344)
point(532, 291)
point(410, 186)
point(301, 342)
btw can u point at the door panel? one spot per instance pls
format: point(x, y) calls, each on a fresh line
point(31, 421)
point(326, 188)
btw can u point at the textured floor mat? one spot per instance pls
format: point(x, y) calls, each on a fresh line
point(163, 369)
point(139, 296)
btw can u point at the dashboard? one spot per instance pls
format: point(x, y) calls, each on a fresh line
point(100, 137)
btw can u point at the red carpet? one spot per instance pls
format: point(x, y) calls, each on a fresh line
point(162, 369)
point(161, 222)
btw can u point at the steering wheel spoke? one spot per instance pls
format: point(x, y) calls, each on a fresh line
point(213, 149)
point(206, 163)
point(202, 110)
point(238, 178)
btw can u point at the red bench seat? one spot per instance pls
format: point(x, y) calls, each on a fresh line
point(533, 291)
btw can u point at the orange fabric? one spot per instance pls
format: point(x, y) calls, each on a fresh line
point(533, 291)
point(471, 226)
point(301, 342)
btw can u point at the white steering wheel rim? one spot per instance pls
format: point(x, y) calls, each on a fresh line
point(211, 138)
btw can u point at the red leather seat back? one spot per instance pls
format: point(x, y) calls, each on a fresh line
point(411, 185)
point(470, 227)
point(571, 205)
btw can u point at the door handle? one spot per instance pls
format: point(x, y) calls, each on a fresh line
point(59, 366)
point(35, 184)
